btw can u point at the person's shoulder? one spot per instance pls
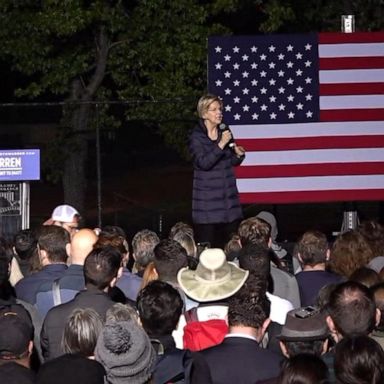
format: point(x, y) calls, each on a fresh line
point(29, 279)
point(129, 276)
point(74, 269)
point(197, 130)
point(13, 372)
point(281, 273)
point(60, 310)
point(80, 368)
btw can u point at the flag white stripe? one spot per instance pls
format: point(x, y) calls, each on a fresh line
point(351, 50)
point(314, 156)
point(351, 101)
point(315, 183)
point(337, 76)
point(267, 131)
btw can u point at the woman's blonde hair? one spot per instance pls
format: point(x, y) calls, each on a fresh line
point(204, 103)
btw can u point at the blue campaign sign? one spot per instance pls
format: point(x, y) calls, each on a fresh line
point(19, 164)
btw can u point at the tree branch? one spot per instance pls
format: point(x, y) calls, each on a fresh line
point(101, 65)
point(116, 43)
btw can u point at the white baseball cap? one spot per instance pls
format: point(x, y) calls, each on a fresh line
point(64, 213)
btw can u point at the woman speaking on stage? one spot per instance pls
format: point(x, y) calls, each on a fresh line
point(216, 209)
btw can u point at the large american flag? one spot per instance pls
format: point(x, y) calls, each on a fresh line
point(309, 110)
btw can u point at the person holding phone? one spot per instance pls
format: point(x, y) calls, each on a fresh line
point(216, 209)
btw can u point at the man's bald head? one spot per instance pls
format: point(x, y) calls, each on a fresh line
point(82, 244)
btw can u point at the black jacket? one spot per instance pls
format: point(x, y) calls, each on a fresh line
point(215, 196)
point(54, 322)
point(241, 360)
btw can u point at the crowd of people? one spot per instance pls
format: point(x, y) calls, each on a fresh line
point(92, 306)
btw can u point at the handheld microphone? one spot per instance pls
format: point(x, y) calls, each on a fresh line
point(223, 128)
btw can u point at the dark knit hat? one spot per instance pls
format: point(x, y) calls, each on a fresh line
point(304, 324)
point(15, 335)
point(126, 353)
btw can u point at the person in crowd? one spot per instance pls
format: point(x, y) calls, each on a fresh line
point(160, 307)
point(66, 287)
point(313, 254)
point(276, 248)
point(359, 360)
point(128, 283)
point(366, 276)
point(232, 248)
point(149, 275)
point(115, 230)
point(9, 302)
point(351, 311)
point(101, 271)
point(211, 284)
point(143, 244)
point(25, 246)
point(125, 351)
point(304, 369)
point(183, 234)
point(239, 358)
point(378, 294)
point(305, 331)
point(349, 252)
point(65, 216)
point(322, 299)
point(77, 365)
point(16, 274)
point(16, 345)
point(181, 226)
point(170, 257)
point(53, 246)
point(255, 258)
point(81, 332)
point(216, 209)
point(254, 230)
point(373, 233)
point(121, 312)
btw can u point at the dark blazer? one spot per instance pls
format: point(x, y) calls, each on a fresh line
point(238, 360)
point(27, 288)
point(56, 319)
point(215, 196)
point(70, 284)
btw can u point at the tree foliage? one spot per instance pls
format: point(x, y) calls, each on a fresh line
point(295, 16)
point(147, 51)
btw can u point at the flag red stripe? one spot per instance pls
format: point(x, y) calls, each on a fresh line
point(352, 114)
point(356, 37)
point(318, 142)
point(311, 196)
point(351, 63)
point(298, 170)
point(352, 89)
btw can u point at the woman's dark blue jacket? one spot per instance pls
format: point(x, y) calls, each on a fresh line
point(215, 197)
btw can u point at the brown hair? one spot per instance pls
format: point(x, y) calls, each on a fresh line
point(365, 276)
point(312, 246)
point(373, 233)
point(81, 332)
point(349, 252)
point(149, 275)
point(254, 230)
